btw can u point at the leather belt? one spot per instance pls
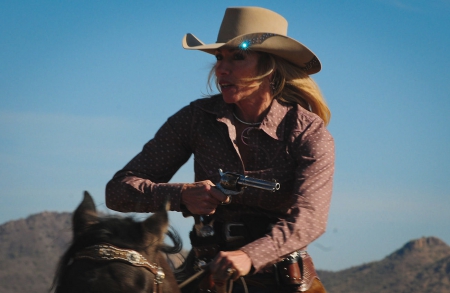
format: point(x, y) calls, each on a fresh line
point(234, 231)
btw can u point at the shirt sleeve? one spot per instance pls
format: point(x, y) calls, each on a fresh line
point(306, 221)
point(141, 186)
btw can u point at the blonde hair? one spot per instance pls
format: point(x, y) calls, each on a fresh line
point(290, 84)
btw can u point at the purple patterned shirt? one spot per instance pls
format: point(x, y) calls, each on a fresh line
point(291, 146)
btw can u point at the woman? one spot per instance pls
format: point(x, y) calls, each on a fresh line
point(268, 122)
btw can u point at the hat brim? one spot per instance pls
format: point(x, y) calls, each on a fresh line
point(279, 45)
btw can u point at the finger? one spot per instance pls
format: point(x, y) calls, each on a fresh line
point(220, 263)
point(222, 276)
point(197, 198)
point(218, 195)
point(203, 208)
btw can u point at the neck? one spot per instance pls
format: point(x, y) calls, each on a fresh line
point(254, 107)
point(251, 113)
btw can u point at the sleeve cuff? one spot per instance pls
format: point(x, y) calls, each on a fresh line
point(168, 191)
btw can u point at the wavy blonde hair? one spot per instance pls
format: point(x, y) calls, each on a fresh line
point(291, 84)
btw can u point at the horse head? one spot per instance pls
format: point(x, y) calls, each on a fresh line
point(112, 254)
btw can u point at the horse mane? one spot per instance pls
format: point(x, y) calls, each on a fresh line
point(105, 231)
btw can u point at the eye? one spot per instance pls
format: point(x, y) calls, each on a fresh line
point(219, 57)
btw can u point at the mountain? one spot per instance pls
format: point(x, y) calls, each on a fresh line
point(30, 249)
point(421, 265)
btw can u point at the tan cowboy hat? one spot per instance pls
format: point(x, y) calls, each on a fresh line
point(258, 29)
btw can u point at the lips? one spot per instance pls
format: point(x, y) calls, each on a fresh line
point(225, 85)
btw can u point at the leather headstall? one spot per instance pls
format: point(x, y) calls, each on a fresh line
point(108, 252)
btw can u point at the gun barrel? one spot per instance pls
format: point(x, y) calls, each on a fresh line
point(258, 183)
point(233, 182)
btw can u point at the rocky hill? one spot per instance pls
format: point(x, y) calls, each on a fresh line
point(30, 249)
point(421, 265)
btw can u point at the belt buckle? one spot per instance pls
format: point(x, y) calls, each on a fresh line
point(227, 230)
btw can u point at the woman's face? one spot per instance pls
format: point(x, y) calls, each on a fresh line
point(232, 68)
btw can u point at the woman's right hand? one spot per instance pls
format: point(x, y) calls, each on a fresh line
point(202, 198)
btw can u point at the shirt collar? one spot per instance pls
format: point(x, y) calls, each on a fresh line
point(273, 124)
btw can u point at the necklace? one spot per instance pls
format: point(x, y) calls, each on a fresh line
point(246, 123)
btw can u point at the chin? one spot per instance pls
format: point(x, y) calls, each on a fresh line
point(230, 100)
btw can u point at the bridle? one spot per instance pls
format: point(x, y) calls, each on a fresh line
point(108, 252)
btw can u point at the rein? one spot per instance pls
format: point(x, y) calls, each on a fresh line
point(221, 289)
point(107, 252)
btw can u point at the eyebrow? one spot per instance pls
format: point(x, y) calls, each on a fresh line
point(231, 50)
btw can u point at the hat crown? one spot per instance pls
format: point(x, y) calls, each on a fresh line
point(247, 20)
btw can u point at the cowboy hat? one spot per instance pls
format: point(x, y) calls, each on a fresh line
point(258, 29)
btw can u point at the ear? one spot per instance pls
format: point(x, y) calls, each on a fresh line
point(85, 215)
point(157, 224)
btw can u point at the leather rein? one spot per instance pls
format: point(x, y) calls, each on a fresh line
point(108, 252)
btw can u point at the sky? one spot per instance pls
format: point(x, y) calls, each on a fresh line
point(85, 84)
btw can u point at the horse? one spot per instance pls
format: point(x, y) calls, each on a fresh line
point(115, 255)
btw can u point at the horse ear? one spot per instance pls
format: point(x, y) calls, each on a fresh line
point(85, 215)
point(157, 224)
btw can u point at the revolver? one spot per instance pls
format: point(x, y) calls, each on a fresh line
point(234, 183)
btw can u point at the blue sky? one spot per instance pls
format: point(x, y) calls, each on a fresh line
point(84, 84)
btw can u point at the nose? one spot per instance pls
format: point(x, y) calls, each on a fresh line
point(222, 68)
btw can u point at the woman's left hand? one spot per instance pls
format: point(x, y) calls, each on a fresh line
point(230, 264)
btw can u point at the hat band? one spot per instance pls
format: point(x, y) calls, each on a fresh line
point(254, 39)
point(314, 62)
